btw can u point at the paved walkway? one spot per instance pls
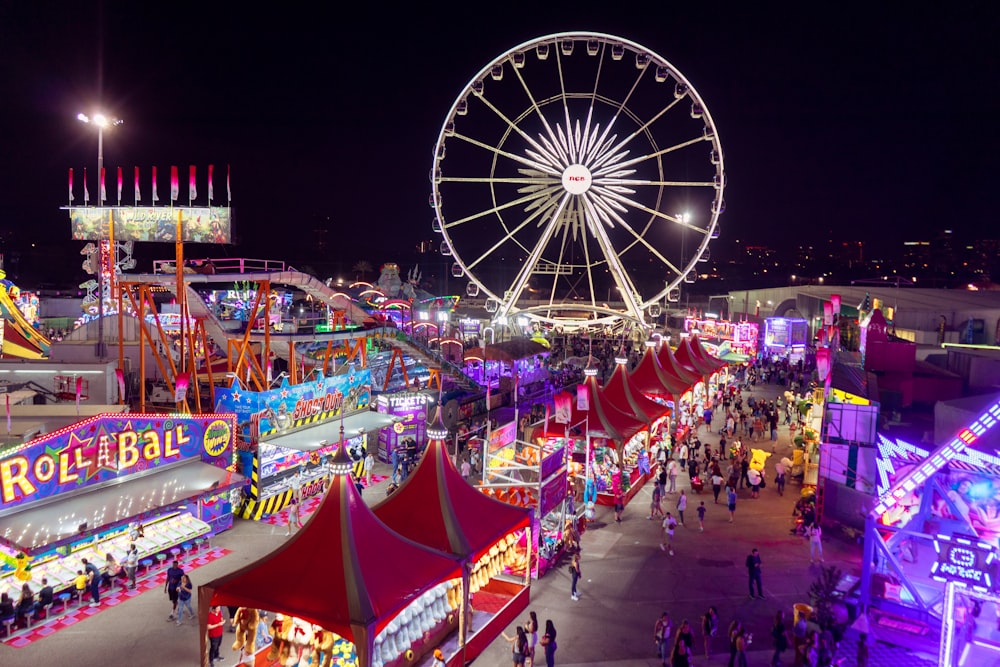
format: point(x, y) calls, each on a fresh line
point(627, 582)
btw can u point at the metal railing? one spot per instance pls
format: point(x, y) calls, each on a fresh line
point(224, 265)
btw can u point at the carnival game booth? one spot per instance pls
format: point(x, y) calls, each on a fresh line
point(345, 588)
point(532, 475)
point(501, 366)
point(491, 539)
point(287, 433)
point(660, 383)
point(615, 439)
point(929, 570)
point(76, 492)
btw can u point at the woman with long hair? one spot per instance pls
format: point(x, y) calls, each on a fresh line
point(518, 646)
point(531, 630)
point(709, 626)
point(549, 643)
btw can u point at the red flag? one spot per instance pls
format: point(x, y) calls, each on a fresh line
point(229, 192)
point(79, 390)
point(192, 186)
point(487, 395)
point(155, 198)
point(137, 195)
point(546, 431)
point(175, 184)
point(71, 184)
point(211, 168)
point(119, 186)
point(120, 375)
point(104, 191)
point(86, 194)
point(7, 398)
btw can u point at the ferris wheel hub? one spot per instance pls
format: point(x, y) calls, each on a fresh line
point(577, 179)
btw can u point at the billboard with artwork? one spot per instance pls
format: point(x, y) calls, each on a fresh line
point(199, 224)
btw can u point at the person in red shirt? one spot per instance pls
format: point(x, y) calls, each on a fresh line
point(216, 626)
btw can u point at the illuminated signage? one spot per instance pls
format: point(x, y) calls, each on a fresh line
point(964, 559)
point(405, 401)
point(109, 447)
point(205, 224)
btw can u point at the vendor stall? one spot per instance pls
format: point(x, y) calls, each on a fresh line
point(330, 583)
point(491, 538)
point(408, 413)
point(81, 491)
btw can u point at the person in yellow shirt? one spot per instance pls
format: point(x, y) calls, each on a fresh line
point(80, 581)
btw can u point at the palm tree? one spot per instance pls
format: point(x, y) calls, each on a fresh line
point(362, 268)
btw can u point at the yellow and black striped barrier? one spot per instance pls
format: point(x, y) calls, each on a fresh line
point(258, 509)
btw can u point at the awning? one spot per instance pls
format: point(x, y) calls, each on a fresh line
point(58, 521)
point(327, 433)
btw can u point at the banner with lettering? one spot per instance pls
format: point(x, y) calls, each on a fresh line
point(111, 447)
point(291, 406)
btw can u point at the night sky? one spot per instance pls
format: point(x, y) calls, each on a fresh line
point(846, 121)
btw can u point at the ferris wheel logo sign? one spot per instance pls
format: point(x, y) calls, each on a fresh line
point(576, 179)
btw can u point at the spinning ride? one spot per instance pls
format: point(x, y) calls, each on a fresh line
point(577, 180)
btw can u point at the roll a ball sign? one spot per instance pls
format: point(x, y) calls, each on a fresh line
point(110, 447)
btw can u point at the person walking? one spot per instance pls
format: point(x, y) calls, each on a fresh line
point(716, 485)
point(753, 573)
point(735, 628)
point(574, 573)
point(815, 536)
point(742, 644)
point(548, 643)
point(184, 592)
point(655, 509)
point(681, 656)
point(171, 586)
point(669, 524)
point(293, 517)
point(662, 633)
point(531, 630)
point(731, 499)
point(779, 478)
point(672, 475)
point(369, 468)
point(709, 627)
point(779, 633)
point(701, 516)
point(682, 503)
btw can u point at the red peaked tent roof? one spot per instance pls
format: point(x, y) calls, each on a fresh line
point(464, 521)
point(648, 377)
point(686, 358)
point(700, 351)
point(670, 364)
point(627, 398)
point(333, 572)
point(605, 420)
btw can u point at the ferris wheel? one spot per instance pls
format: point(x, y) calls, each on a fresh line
point(577, 180)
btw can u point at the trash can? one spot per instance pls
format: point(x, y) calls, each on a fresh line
point(801, 609)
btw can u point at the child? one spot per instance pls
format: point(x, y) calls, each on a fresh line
point(701, 516)
point(293, 516)
point(80, 582)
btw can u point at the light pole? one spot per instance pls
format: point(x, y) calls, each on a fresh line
point(100, 121)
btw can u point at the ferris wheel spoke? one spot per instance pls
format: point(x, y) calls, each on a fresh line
point(541, 152)
point(510, 156)
point(608, 194)
point(614, 117)
point(545, 121)
point(511, 296)
point(651, 156)
point(618, 272)
point(610, 180)
point(559, 262)
point(603, 208)
point(537, 180)
point(539, 213)
point(570, 149)
point(530, 198)
point(644, 127)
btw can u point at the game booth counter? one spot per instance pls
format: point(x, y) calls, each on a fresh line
point(532, 475)
point(287, 432)
point(929, 570)
point(348, 607)
point(74, 493)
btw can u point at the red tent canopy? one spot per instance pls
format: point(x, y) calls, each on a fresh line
point(648, 377)
point(604, 419)
point(333, 572)
point(701, 352)
point(686, 358)
point(670, 365)
point(627, 398)
point(464, 522)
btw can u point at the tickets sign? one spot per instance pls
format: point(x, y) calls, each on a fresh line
point(110, 447)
